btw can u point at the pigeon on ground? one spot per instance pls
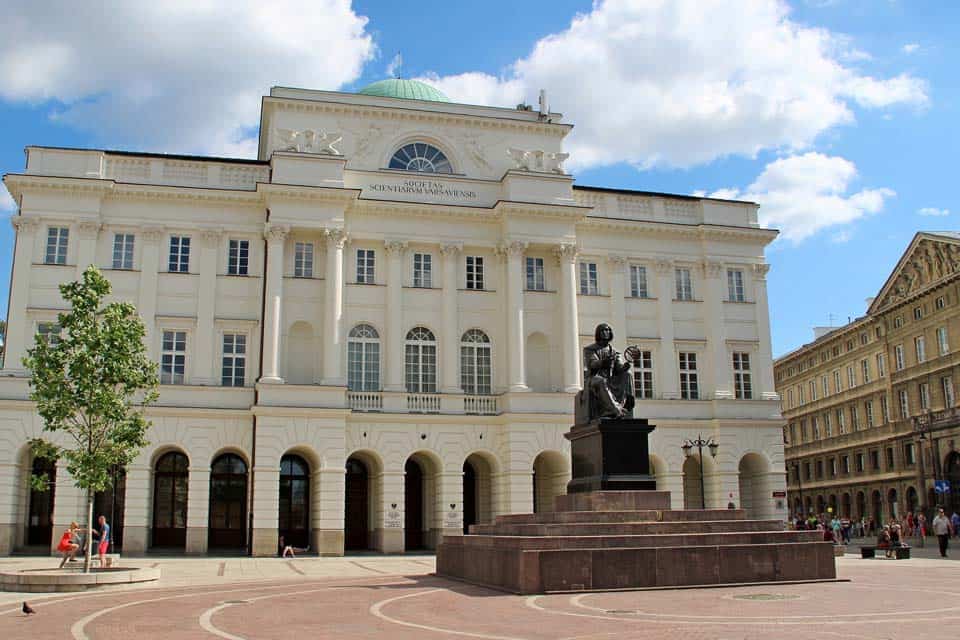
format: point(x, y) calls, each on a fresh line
point(27, 609)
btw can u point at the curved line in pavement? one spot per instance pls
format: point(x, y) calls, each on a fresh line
point(376, 609)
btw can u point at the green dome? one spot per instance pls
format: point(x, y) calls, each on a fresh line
point(401, 88)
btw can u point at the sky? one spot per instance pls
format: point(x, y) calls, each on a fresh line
point(838, 116)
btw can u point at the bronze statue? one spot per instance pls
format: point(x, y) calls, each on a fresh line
point(607, 381)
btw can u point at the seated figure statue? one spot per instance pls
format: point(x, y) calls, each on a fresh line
point(607, 381)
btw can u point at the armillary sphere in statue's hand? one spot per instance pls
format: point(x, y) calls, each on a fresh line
point(632, 353)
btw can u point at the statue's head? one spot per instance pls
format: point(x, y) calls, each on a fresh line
point(603, 333)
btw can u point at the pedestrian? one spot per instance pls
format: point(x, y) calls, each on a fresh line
point(955, 521)
point(922, 528)
point(910, 521)
point(941, 529)
point(67, 546)
point(883, 540)
point(103, 535)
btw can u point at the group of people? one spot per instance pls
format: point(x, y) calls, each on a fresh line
point(73, 541)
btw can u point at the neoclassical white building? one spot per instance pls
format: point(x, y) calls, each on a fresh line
point(370, 336)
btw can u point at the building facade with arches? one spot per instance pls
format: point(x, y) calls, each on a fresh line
point(371, 335)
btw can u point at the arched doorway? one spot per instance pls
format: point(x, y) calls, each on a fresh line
point(477, 490)
point(109, 504)
point(861, 505)
point(40, 524)
point(755, 490)
point(170, 478)
point(877, 501)
point(892, 506)
point(413, 488)
point(845, 506)
point(357, 506)
point(952, 500)
point(294, 516)
point(228, 503)
point(550, 475)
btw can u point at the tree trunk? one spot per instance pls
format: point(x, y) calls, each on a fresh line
point(87, 558)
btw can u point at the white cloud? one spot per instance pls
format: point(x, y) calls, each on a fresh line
point(179, 75)
point(394, 66)
point(841, 237)
point(7, 203)
point(910, 48)
point(933, 211)
point(804, 194)
point(684, 82)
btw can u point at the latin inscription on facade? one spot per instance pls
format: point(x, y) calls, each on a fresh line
point(428, 189)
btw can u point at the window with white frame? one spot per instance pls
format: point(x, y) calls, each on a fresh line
point(420, 361)
point(865, 371)
point(238, 258)
point(638, 281)
point(851, 378)
point(946, 385)
point(827, 425)
point(884, 409)
point(689, 382)
point(824, 386)
point(588, 279)
point(363, 359)
point(881, 365)
point(48, 332)
point(841, 421)
point(837, 388)
point(943, 345)
point(643, 376)
point(920, 346)
point(366, 262)
point(940, 303)
point(303, 260)
point(179, 258)
point(801, 395)
point(898, 357)
point(475, 363)
point(854, 418)
point(735, 285)
point(917, 313)
point(909, 454)
point(684, 284)
point(898, 322)
point(173, 357)
point(868, 409)
point(123, 251)
point(816, 427)
point(422, 270)
point(57, 239)
point(233, 364)
point(535, 280)
point(475, 272)
point(924, 390)
point(904, 404)
point(742, 382)
point(813, 390)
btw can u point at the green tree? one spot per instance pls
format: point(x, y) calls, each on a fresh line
point(92, 386)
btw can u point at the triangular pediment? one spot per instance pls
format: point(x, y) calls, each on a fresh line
point(930, 258)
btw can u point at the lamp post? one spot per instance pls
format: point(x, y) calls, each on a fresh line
point(700, 443)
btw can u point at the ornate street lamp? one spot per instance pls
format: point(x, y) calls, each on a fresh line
point(700, 443)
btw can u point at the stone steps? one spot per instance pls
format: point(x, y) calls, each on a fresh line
point(602, 541)
point(646, 515)
point(624, 528)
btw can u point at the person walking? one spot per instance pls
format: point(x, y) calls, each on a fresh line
point(941, 529)
point(955, 521)
point(922, 528)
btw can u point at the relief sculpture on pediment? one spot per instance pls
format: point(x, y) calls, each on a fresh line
point(930, 262)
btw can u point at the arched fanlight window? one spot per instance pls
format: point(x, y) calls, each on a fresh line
point(363, 359)
point(420, 156)
point(475, 367)
point(420, 359)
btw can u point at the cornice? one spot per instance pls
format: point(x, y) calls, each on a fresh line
point(18, 183)
point(698, 230)
point(169, 192)
point(301, 192)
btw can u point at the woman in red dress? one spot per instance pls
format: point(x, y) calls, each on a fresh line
point(67, 546)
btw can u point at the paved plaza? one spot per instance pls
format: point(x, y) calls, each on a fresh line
point(397, 597)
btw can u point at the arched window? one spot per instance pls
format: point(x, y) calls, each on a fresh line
point(363, 359)
point(420, 359)
point(475, 363)
point(170, 485)
point(294, 512)
point(420, 156)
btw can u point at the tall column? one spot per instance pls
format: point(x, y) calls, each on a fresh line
point(764, 364)
point(567, 255)
point(333, 310)
point(273, 299)
point(147, 293)
point(516, 362)
point(450, 345)
point(668, 379)
point(18, 333)
point(720, 363)
point(618, 294)
point(198, 509)
point(396, 250)
point(87, 232)
point(206, 303)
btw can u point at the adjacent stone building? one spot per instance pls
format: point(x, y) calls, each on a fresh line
point(871, 411)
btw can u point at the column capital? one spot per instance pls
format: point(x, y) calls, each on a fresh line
point(513, 248)
point(565, 252)
point(663, 266)
point(275, 232)
point(88, 228)
point(451, 249)
point(24, 225)
point(336, 237)
point(617, 262)
point(760, 271)
point(711, 268)
point(395, 247)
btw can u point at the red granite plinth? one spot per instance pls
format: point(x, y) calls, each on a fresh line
point(631, 539)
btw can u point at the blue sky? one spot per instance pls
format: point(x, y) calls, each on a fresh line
point(839, 116)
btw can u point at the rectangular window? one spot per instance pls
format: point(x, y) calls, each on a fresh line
point(920, 346)
point(865, 371)
point(824, 386)
point(904, 404)
point(735, 285)
point(793, 434)
point(800, 392)
point(815, 424)
point(50, 332)
point(238, 258)
point(588, 279)
point(638, 281)
point(851, 378)
point(813, 390)
point(898, 322)
point(943, 345)
point(234, 363)
point(881, 365)
point(854, 418)
point(837, 388)
point(422, 270)
point(924, 390)
point(860, 462)
point(173, 357)
point(741, 376)
point(940, 303)
point(303, 260)
point(868, 409)
point(946, 384)
point(884, 409)
point(123, 251)
point(643, 376)
point(833, 467)
point(806, 470)
point(898, 357)
point(179, 261)
point(366, 263)
point(841, 421)
point(863, 338)
point(909, 453)
point(57, 238)
point(475, 272)
point(845, 464)
point(689, 385)
point(535, 274)
point(890, 458)
point(819, 469)
point(684, 284)
point(827, 426)
point(917, 313)
point(803, 431)
point(875, 460)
